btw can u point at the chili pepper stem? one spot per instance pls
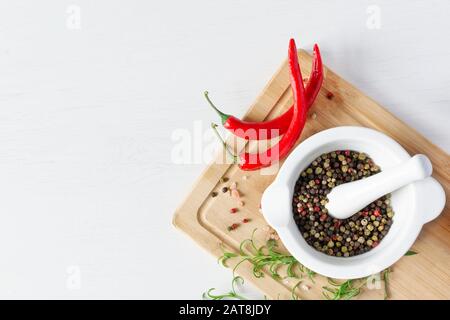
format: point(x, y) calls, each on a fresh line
point(223, 116)
point(225, 145)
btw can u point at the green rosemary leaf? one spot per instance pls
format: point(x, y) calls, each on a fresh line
point(290, 270)
point(236, 280)
point(208, 295)
point(229, 295)
point(257, 272)
point(271, 244)
point(410, 253)
point(243, 244)
point(342, 291)
point(311, 275)
point(266, 258)
point(238, 264)
point(333, 282)
point(226, 255)
point(326, 296)
point(293, 294)
point(274, 270)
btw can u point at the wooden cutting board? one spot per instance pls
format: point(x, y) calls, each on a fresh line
point(205, 218)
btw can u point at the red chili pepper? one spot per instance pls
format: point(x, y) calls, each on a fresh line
point(272, 128)
point(251, 161)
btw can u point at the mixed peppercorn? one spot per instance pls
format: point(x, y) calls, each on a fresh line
point(234, 193)
point(342, 238)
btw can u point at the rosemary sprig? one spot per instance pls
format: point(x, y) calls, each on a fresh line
point(293, 294)
point(265, 257)
point(342, 291)
point(232, 294)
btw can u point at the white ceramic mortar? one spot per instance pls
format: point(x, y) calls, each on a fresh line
point(413, 205)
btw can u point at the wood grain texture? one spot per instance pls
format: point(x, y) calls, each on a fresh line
point(203, 218)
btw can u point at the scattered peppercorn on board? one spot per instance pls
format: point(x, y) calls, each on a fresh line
point(207, 217)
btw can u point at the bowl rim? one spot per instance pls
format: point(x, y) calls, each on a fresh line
point(340, 267)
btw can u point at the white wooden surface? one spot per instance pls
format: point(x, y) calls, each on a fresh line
point(87, 185)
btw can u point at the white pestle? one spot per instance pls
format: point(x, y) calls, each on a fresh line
point(349, 198)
